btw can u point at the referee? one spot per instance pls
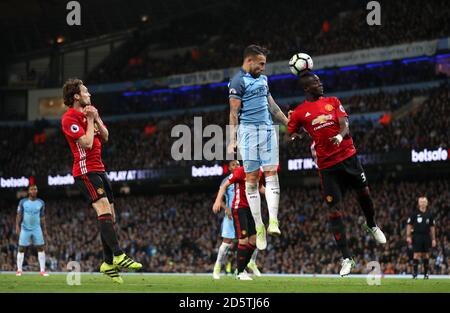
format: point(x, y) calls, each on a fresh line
point(421, 234)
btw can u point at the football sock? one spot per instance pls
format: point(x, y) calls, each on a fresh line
point(254, 201)
point(107, 252)
point(273, 195)
point(250, 249)
point(20, 257)
point(254, 255)
point(416, 266)
point(41, 258)
point(108, 233)
point(425, 266)
point(242, 258)
point(338, 229)
point(366, 203)
point(223, 250)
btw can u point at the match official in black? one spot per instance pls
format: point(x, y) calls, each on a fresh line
point(421, 234)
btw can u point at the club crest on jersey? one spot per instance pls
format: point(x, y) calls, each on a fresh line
point(321, 119)
point(100, 191)
point(329, 199)
point(329, 107)
point(74, 128)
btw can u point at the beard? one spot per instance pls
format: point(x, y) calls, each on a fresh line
point(83, 103)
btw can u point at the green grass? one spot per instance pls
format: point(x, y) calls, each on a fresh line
point(197, 284)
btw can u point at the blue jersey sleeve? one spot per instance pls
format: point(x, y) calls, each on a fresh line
point(236, 87)
point(20, 207)
point(42, 214)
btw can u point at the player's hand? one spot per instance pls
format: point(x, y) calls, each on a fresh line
point(231, 149)
point(433, 243)
point(294, 136)
point(409, 240)
point(336, 140)
point(228, 213)
point(216, 207)
point(90, 112)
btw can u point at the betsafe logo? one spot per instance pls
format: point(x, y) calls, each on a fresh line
point(429, 155)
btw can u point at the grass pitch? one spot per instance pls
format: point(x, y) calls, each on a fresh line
point(34, 283)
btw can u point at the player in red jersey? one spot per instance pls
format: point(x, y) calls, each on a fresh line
point(244, 224)
point(85, 131)
point(326, 122)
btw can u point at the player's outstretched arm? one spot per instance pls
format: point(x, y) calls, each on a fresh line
point(276, 111)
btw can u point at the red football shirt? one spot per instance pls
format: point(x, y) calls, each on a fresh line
point(74, 125)
point(320, 119)
point(238, 179)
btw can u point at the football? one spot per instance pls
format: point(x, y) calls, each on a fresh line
point(299, 63)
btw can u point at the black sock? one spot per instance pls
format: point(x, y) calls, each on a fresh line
point(416, 266)
point(338, 230)
point(108, 233)
point(425, 266)
point(107, 252)
point(241, 258)
point(366, 203)
point(250, 249)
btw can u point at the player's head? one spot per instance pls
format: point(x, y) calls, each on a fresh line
point(255, 58)
point(423, 203)
point(311, 84)
point(32, 191)
point(232, 165)
point(76, 93)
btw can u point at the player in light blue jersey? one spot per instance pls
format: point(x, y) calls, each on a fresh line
point(251, 108)
point(31, 227)
point(228, 231)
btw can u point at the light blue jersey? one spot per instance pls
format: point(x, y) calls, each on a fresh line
point(257, 139)
point(253, 93)
point(30, 230)
point(228, 224)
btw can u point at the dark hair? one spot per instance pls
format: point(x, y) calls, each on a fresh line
point(71, 87)
point(304, 76)
point(31, 186)
point(254, 50)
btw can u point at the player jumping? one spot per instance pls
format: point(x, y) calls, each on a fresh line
point(30, 221)
point(325, 120)
point(228, 232)
point(84, 130)
point(250, 108)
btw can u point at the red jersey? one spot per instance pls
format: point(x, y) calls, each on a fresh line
point(320, 119)
point(74, 125)
point(238, 179)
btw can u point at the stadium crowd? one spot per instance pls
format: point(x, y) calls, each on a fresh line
point(179, 233)
point(337, 27)
point(146, 143)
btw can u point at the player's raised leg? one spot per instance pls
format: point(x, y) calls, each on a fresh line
point(366, 203)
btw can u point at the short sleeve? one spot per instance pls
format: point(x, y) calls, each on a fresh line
point(20, 207)
point(340, 111)
point(42, 214)
point(410, 220)
point(294, 122)
point(72, 128)
point(236, 87)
